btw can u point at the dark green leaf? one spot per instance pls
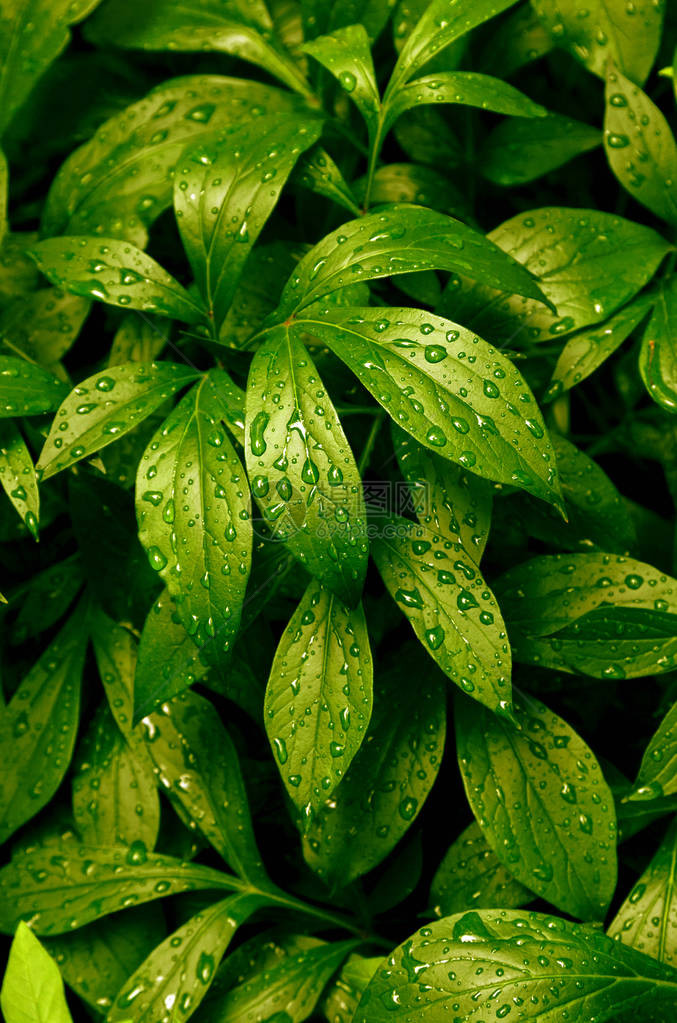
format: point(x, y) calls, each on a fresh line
point(44, 324)
point(317, 171)
point(471, 876)
point(542, 802)
point(640, 146)
point(137, 339)
point(193, 510)
point(625, 34)
point(197, 766)
point(327, 15)
point(26, 389)
point(455, 616)
point(401, 239)
point(319, 697)
point(17, 474)
point(517, 39)
point(657, 776)
point(519, 150)
point(647, 920)
point(389, 779)
point(301, 469)
point(225, 191)
point(117, 273)
point(106, 406)
point(167, 978)
point(37, 729)
point(446, 387)
point(67, 885)
point(346, 54)
point(413, 183)
point(344, 995)
point(540, 964)
point(46, 598)
point(658, 354)
point(32, 989)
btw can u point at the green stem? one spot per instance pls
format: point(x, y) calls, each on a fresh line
point(371, 440)
point(280, 898)
point(374, 153)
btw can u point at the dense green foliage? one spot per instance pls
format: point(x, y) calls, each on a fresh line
point(338, 383)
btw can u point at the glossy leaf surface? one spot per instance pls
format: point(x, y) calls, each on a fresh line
point(32, 989)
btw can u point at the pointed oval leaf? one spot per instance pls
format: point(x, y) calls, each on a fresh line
point(658, 354)
point(17, 474)
point(28, 390)
point(318, 172)
point(115, 649)
point(198, 767)
point(166, 978)
point(224, 192)
point(541, 964)
point(519, 149)
point(67, 885)
point(32, 988)
point(44, 324)
point(540, 797)
point(437, 586)
point(448, 388)
point(38, 727)
point(319, 696)
point(301, 469)
point(194, 516)
point(389, 779)
point(471, 876)
point(346, 55)
point(106, 406)
point(401, 239)
point(117, 273)
point(657, 775)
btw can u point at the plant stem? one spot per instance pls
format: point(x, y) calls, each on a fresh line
point(371, 440)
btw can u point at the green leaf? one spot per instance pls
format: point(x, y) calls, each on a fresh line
point(224, 192)
point(520, 150)
point(168, 659)
point(197, 766)
point(38, 727)
point(322, 16)
point(598, 614)
point(413, 183)
point(32, 989)
point(542, 802)
point(471, 876)
point(658, 354)
point(166, 978)
point(27, 390)
point(626, 34)
point(317, 171)
point(346, 55)
point(647, 919)
point(26, 53)
point(389, 779)
point(115, 649)
point(344, 994)
point(448, 500)
point(467, 88)
point(258, 292)
point(44, 324)
point(551, 965)
point(114, 272)
point(106, 406)
point(516, 40)
point(46, 598)
point(114, 791)
point(319, 697)
point(586, 350)
point(118, 182)
point(589, 264)
point(301, 469)
point(441, 24)
point(95, 961)
point(657, 776)
point(67, 885)
point(291, 986)
point(451, 391)
point(137, 339)
point(17, 474)
point(401, 239)
point(193, 510)
point(437, 586)
point(231, 27)
point(640, 146)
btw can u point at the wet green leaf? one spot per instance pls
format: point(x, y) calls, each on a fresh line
point(17, 474)
point(37, 729)
point(193, 510)
point(551, 965)
point(46, 598)
point(658, 354)
point(66, 885)
point(106, 406)
point(437, 586)
point(32, 989)
point(44, 324)
point(519, 150)
point(389, 779)
point(471, 876)
point(657, 777)
point(319, 697)
point(413, 183)
point(26, 389)
point(640, 147)
point(225, 190)
point(449, 389)
point(318, 172)
point(300, 466)
point(542, 803)
point(346, 54)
